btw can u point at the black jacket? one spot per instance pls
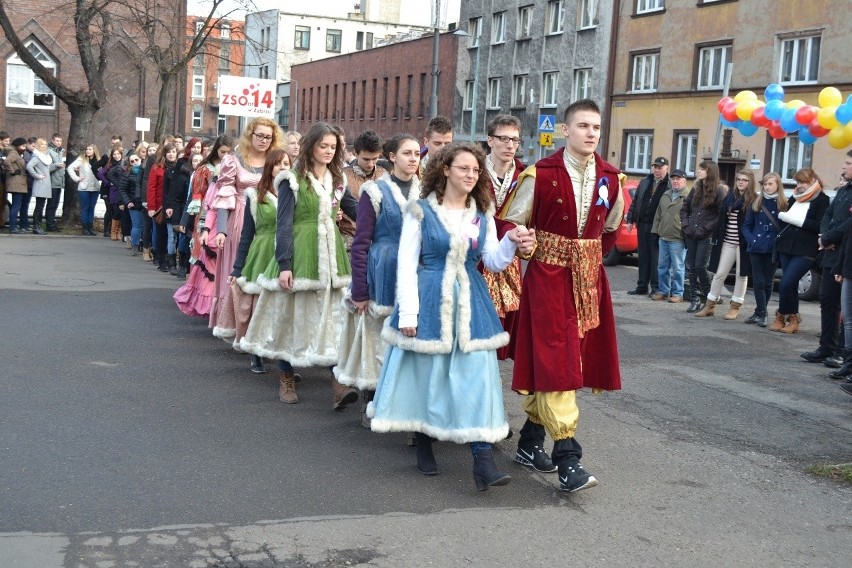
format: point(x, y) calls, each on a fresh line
point(637, 213)
point(175, 188)
point(835, 222)
point(802, 241)
point(696, 221)
point(129, 186)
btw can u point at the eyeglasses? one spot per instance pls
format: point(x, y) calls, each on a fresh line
point(467, 170)
point(262, 137)
point(507, 139)
point(135, 161)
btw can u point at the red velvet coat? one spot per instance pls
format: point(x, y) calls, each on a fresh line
point(549, 353)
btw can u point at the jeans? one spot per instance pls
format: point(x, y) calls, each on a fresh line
point(171, 237)
point(846, 305)
point(793, 268)
point(763, 274)
point(18, 212)
point(670, 267)
point(647, 253)
point(136, 229)
point(697, 258)
point(147, 230)
point(52, 206)
point(730, 254)
point(88, 200)
point(183, 243)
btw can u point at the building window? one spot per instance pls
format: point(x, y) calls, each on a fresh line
point(422, 112)
point(498, 28)
point(525, 14)
point(408, 99)
point(396, 107)
point(549, 85)
point(23, 87)
point(225, 31)
point(555, 17)
point(644, 76)
point(198, 86)
point(333, 40)
point(359, 41)
point(468, 95)
point(225, 57)
point(588, 12)
point(269, 37)
point(799, 60)
point(303, 37)
point(475, 30)
point(385, 98)
point(199, 26)
point(197, 115)
point(519, 91)
point(375, 106)
point(494, 93)
point(368, 42)
point(789, 156)
point(686, 152)
point(637, 151)
point(582, 88)
point(712, 62)
point(646, 6)
point(222, 124)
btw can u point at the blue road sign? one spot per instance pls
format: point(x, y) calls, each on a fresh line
point(546, 123)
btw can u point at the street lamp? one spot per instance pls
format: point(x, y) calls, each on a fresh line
point(463, 33)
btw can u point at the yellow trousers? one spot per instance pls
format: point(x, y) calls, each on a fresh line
point(556, 411)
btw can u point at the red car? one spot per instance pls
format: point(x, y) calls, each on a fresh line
point(627, 242)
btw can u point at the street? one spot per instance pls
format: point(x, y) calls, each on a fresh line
point(130, 436)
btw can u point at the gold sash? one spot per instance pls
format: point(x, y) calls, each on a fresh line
point(505, 288)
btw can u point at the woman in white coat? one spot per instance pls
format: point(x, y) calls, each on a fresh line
point(88, 186)
point(39, 168)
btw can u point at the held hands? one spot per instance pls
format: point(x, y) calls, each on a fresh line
point(231, 279)
point(361, 306)
point(285, 279)
point(409, 331)
point(219, 240)
point(525, 239)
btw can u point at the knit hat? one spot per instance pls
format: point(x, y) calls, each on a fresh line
point(19, 142)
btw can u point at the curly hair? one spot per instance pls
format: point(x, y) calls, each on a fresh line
point(435, 180)
point(245, 139)
point(315, 135)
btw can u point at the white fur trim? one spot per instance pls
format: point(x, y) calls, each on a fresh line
point(416, 211)
point(294, 184)
point(326, 241)
point(224, 332)
point(378, 310)
point(460, 436)
point(249, 287)
point(371, 188)
point(310, 361)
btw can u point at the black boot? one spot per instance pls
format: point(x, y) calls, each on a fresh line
point(162, 265)
point(172, 260)
point(182, 266)
point(485, 472)
point(531, 448)
point(572, 476)
point(702, 303)
point(845, 371)
point(426, 463)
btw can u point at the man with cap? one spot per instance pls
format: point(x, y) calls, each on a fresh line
point(641, 215)
point(670, 266)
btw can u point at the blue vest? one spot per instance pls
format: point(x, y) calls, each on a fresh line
point(384, 250)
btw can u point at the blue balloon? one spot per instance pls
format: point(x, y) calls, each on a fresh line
point(843, 114)
point(729, 123)
point(773, 110)
point(747, 128)
point(805, 136)
point(788, 121)
point(773, 92)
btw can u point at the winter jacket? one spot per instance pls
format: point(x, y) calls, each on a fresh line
point(175, 187)
point(38, 169)
point(697, 222)
point(16, 172)
point(81, 172)
point(667, 217)
point(802, 241)
point(110, 176)
point(758, 231)
point(130, 187)
point(637, 213)
point(57, 172)
point(834, 223)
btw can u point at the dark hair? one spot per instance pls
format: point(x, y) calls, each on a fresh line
point(368, 141)
point(265, 185)
point(439, 124)
point(392, 144)
point(4, 135)
point(115, 148)
point(160, 159)
point(435, 181)
point(305, 163)
point(212, 156)
point(56, 135)
point(809, 176)
point(849, 153)
point(705, 190)
point(30, 140)
point(582, 104)
point(117, 137)
point(503, 120)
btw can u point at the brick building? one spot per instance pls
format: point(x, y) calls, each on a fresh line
point(385, 89)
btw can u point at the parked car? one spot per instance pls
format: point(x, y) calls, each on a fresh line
point(628, 241)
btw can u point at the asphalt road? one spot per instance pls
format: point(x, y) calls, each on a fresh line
point(130, 436)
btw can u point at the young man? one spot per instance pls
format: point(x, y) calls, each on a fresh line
point(641, 214)
point(439, 133)
point(566, 328)
point(57, 180)
point(666, 227)
point(179, 144)
point(368, 149)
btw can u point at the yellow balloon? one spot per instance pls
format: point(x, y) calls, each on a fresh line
point(746, 108)
point(837, 137)
point(795, 103)
point(746, 96)
point(826, 119)
point(830, 96)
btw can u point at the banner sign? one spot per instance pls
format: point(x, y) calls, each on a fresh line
point(246, 96)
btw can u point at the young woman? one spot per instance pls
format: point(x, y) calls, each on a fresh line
point(699, 217)
point(798, 245)
point(237, 173)
point(146, 153)
point(175, 189)
point(298, 315)
point(109, 188)
point(374, 256)
point(133, 194)
point(441, 377)
point(759, 231)
point(196, 296)
point(39, 168)
point(164, 164)
point(730, 247)
point(82, 171)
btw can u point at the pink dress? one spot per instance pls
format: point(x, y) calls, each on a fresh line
point(230, 189)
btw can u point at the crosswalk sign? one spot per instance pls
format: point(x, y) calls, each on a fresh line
point(546, 123)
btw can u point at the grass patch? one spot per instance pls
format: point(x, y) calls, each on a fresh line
point(840, 472)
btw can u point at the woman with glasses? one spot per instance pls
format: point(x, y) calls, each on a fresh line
point(441, 377)
point(133, 193)
point(730, 247)
point(237, 172)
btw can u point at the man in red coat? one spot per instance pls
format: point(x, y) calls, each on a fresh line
point(566, 328)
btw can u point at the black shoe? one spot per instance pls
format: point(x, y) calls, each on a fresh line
point(638, 291)
point(764, 321)
point(15, 231)
point(426, 463)
point(38, 231)
point(844, 372)
point(701, 305)
point(755, 318)
point(485, 472)
point(693, 307)
point(53, 229)
point(257, 365)
point(817, 356)
point(536, 458)
point(572, 477)
point(833, 362)
point(846, 387)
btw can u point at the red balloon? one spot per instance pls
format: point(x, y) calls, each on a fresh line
point(816, 129)
point(805, 114)
point(758, 117)
point(776, 131)
point(723, 102)
point(730, 112)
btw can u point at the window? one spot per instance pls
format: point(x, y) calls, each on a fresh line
point(555, 17)
point(354, 99)
point(637, 151)
point(498, 28)
point(396, 107)
point(525, 14)
point(494, 93)
point(519, 91)
point(359, 41)
point(712, 63)
point(588, 12)
point(368, 42)
point(799, 60)
point(225, 31)
point(269, 37)
point(23, 87)
point(225, 57)
point(197, 114)
point(221, 124)
point(385, 98)
point(199, 25)
point(646, 6)
point(549, 84)
point(408, 96)
point(333, 40)
point(198, 86)
point(789, 156)
point(422, 95)
point(375, 105)
point(582, 88)
point(303, 37)
point(686, 152)
point(645, 73)
point(475, 30)
point(469, 87)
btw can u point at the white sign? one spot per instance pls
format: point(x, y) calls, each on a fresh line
point(143, 124)
point(246, 96)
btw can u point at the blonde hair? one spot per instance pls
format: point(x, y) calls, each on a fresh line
point(781, 199)
point(244, 146)
point(41, 145)
point(95, 154)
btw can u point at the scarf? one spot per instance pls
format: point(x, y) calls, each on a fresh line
point(809, 194)
point(501, 188)
point(45, 158)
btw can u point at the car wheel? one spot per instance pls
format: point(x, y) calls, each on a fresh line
point(612, 258)
point(809, 286)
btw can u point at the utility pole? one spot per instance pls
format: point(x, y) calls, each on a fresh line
point(436, 23)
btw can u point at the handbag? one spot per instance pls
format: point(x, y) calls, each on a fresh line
point(159, 216)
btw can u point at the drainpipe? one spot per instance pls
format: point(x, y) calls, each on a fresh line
point(610, 76)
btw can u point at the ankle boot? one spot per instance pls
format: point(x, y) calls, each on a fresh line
point(792, 324)
point(115, 230)
point(287, 388)
point(693, 305)
point(708, 311)
point(485, 472)
point(531, 448)
point(162, 262)
point(846, 369)
point(779, 323)
point(342, 396)
point(147, 254)
point(172, 260)
point(426, 463)
point(733, 311)
point(182, 266)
